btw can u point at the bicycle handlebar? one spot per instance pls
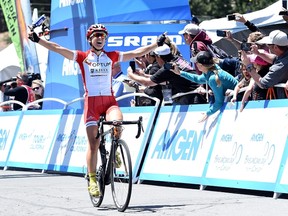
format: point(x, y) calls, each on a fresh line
point(117, 123)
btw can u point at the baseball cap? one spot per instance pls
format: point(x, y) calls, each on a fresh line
point(191, 29)
point(162, 50)
point(203, 57)
point(276, 37)
point(256, 59)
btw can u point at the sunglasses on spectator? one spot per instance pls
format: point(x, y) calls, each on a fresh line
point(36, 88)
point(99, 34)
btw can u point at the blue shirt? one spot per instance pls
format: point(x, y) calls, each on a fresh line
point(227, 82)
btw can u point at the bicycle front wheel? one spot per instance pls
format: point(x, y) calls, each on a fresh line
point(121, 175)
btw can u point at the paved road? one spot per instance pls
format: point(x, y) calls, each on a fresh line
point(33, 193)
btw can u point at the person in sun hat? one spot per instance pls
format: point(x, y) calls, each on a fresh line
point(216, 78)
point(277, 42)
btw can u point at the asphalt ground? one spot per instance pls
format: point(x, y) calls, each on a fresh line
point(35, 193)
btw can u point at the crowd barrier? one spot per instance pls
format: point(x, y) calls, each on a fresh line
point(246, 150)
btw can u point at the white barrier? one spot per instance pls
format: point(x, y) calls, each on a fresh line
point(231, 149)
point(246, 149)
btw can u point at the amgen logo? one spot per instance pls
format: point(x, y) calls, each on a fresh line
point(3, 138)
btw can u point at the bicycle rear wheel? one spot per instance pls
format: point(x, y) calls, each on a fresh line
point(121, 176)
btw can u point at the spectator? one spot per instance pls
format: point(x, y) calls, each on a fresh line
point(38, 88)
point(252, 38)
point(244, 82)
point(21, 91)
point(174, 83)
point(218, 80)
point(96, 69)
point(119, 86)
point(253, 90)
point(277, 43)
point(152, 91)
point(198, 40)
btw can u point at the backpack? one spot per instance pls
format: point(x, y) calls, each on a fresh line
point(219, 53)
point(227, 62)
point(216, 51)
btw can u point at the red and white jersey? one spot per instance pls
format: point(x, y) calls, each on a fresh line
point(97, 71)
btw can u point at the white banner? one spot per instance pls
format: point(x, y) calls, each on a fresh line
point(179, 146)
point(33, 140)
point(8, 128)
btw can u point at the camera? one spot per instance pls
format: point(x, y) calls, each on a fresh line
point(221, 33)
point(245, 46)
point(168, 66)
point(283, 13)
point(231, 17)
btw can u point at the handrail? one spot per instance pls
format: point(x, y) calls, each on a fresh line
point(12, 102)
point(43, 99)
point(139, 94)
point(73, 101)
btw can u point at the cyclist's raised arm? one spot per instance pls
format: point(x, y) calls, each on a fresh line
point(67, 53)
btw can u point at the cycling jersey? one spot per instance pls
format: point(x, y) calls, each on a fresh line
point(96, 73)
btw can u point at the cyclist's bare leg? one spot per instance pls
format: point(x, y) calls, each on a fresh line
point(114, 113)
point(91, 156)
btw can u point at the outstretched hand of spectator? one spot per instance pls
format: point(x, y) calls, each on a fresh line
point(204, 117)
point(240, 18)
point(244, 58)
point(161, 39)
point(229, 35)
point(175, 68)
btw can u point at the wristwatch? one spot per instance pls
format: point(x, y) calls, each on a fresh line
point(249, 67)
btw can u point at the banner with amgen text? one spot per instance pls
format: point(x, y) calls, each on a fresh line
point(180, 146)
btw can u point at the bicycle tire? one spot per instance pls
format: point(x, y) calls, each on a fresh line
point(121, 176)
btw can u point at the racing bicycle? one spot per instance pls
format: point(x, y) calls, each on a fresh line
point(115, 166)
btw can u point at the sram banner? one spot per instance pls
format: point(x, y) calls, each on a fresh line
point(70, 31)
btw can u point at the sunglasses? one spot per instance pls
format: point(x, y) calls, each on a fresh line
point(99, 34)
point(36, 88)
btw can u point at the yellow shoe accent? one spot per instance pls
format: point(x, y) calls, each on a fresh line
point(118, 161)
point(93, 189)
